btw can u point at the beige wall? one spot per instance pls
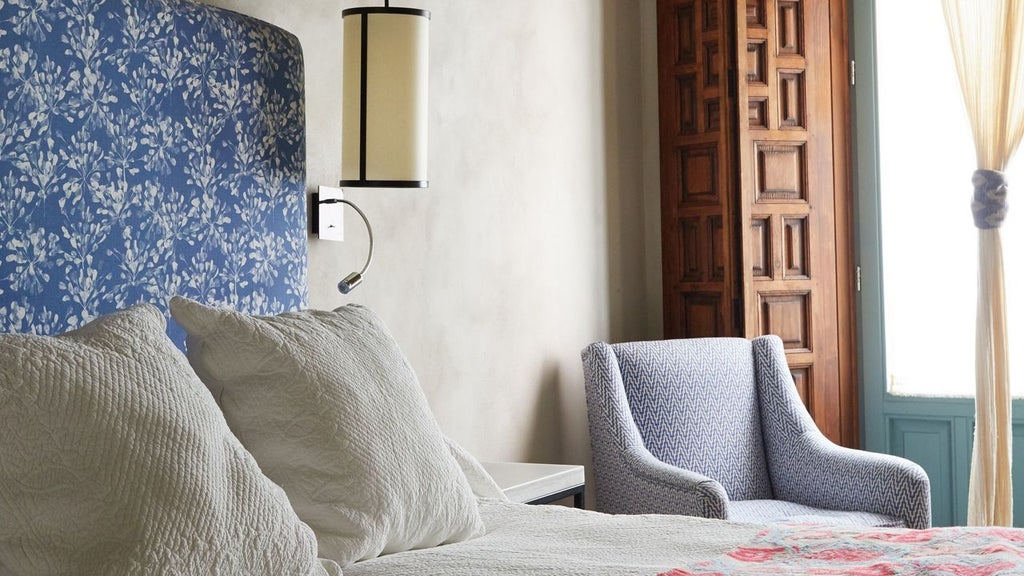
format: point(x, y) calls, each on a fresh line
point(539, 232)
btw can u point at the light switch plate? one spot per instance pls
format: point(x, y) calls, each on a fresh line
point(331, 217)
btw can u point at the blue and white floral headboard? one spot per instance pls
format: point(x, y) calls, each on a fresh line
point(147, 148)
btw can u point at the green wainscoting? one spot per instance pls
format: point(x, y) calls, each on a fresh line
point(938, 434)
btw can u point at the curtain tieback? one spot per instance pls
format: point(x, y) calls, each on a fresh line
point(989, 204)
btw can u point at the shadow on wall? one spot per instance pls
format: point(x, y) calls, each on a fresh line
point(547, 444)
point(561, 398)
point(626, 200)
point(632, 234)
point(553, 441)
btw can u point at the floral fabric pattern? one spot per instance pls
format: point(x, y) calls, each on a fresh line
point(814, 550)
point(147, 148)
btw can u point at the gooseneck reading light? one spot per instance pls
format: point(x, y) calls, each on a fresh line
point(384, 105)
point(354, 279)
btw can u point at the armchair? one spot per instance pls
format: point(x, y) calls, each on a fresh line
point(714, 427)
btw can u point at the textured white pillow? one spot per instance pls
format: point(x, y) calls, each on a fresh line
point(116, 460)
point(333, 412)
point(480, 481)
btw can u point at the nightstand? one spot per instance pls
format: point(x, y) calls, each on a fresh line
point(530, 483)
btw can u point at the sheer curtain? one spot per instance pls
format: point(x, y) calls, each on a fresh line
point(986, 37)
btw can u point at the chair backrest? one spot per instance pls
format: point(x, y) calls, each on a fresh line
point(695, 404)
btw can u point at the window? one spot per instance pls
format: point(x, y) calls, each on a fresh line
point(929, 242)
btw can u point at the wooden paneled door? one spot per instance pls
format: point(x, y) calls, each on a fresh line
point(698, 175)
point(771, 240)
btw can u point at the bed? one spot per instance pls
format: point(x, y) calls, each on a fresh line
point(152, 201)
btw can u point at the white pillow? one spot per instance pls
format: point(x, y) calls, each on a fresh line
point(482, 484)
point(333, 412)
point(115, 459)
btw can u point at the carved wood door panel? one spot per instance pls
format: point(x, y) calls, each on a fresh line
point(787, 193)
point(755, 198)
point(698, 173)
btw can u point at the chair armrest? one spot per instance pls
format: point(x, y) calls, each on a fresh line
point(807, 468)
point(629, 479)
point(819, 473)
point(659, 488)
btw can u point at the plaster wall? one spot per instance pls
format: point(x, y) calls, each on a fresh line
point(539, 232)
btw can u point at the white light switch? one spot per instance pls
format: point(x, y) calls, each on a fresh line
point(331, 217)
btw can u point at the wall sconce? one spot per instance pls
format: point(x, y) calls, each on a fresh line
point(384, 107)
point(384, 97)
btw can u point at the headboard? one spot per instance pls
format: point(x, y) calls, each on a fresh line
point(147, 148)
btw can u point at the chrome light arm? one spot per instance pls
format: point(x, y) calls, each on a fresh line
point(355, 278)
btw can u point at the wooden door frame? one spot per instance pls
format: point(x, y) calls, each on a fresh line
point(846, 284)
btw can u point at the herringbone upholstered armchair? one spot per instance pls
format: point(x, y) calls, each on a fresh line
point(714, 427)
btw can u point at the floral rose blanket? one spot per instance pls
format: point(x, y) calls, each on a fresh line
point(809, 550)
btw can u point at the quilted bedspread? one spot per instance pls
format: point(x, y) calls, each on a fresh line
point(811, 550)
point(526, 540)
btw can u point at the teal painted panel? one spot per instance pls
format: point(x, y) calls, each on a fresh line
point(1018, 474)
point(930, 444)
point(963, 450)
point(963, 447)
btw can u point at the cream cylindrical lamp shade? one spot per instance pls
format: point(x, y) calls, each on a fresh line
point(384, 97)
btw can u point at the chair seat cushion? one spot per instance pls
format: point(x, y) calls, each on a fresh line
point(770, 511)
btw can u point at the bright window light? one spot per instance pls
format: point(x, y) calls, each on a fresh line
point(929, 242)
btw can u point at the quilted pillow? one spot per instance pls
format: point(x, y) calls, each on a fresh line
point(332, 411)
point(480, 482)
point(115, 460)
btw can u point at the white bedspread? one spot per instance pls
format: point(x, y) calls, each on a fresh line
point(537, 540)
